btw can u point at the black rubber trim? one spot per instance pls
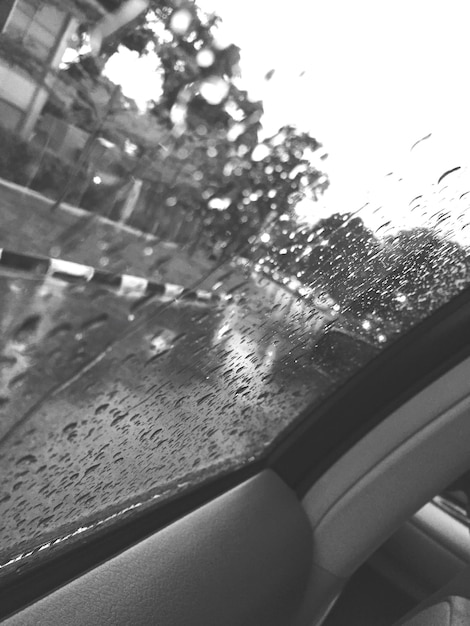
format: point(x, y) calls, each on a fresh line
point(23, 588)
point(403, 369)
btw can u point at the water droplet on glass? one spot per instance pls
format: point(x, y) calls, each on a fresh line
point(180, 21)
point(27, 329)
point(4, 497)
point(93, 323)
point(6, 362)
point(260, 152)
point(3, 401)
point(219, 204)
point(17, 380)
point(69, 428)
point(205, 57)
point(269, 74)
point(101, 408)
point(214, 89)
point(28, 459)
point(204, 399)
point(92, 469)
point(447, 173)
point(63, 328)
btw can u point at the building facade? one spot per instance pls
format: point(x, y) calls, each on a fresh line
point(43, 31)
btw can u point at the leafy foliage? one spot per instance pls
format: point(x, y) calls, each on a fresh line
point(205, 150)
point(388, 284)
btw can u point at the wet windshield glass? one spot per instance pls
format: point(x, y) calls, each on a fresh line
point(211, 217)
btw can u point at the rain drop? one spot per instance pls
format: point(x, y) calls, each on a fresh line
point(28, 329)
point(260, 152)
point(181, 21)
point(205, 58)
point(214, 89)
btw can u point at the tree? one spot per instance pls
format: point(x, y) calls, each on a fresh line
point(226, 177)
point(383, 286)
point(198, 143)
point(422, 271)
point(337, 254)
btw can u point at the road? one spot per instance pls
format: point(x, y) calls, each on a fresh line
point(106, 406)
point(28, 225)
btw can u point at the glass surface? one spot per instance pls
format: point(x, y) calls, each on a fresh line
point(188, 149)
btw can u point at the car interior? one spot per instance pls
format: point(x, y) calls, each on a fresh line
point(234, 414)
point(366, 541)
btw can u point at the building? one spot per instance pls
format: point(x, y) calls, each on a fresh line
point(38, 33)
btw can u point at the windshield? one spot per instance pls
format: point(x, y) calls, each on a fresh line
point(211, 216)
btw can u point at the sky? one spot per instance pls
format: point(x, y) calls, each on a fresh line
point(366, 78)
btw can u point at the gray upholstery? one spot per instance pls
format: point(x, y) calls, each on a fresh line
point(448, 607)
point(241, 560)
point(380, 482)
point(453, 611)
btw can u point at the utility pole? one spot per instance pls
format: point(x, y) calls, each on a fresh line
point(87, 148)
point(6, 9)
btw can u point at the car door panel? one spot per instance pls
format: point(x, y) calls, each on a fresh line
point(244, 558)
point(426, 553)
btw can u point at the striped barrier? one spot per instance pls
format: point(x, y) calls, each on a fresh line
point(124, 285)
